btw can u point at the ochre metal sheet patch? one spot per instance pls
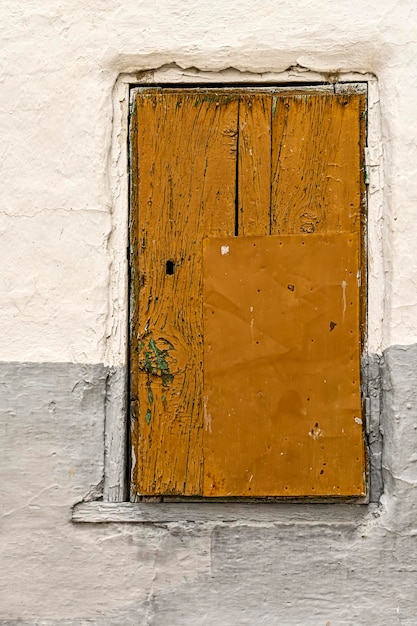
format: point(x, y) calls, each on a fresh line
point(282, 406)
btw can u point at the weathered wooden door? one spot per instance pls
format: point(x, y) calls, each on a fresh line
point(246, 295)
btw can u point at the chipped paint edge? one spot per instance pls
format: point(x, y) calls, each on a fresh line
point(283, 513)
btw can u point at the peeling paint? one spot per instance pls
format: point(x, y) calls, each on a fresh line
point(315, 432)
point(207, 416)
point(344, 297)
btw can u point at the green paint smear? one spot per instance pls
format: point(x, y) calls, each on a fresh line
point(156, 361)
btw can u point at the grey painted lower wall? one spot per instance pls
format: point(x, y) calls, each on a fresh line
point(312, 570)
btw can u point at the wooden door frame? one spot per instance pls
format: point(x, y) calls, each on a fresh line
point(116, 451)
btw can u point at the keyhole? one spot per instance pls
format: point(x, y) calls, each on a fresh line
point(170, 267)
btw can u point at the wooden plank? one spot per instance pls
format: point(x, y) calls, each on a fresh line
point(326, 516)
point(361, 229)
point(282, 367)
point(254, 164)
point(185, 161)
point(316, 163)
point(115, 450)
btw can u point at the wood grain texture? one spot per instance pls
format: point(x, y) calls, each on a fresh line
point(282, 377)
point(317, 168)
point(185, 164)
point(210, 163)
point(254, 165)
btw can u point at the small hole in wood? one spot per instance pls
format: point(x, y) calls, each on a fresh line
point(170, 268)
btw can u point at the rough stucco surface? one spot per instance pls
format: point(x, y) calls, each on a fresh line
point(61, 315)
point(314, 572)
point(60, 63)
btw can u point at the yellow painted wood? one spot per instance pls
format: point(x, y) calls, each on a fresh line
point(254, 165)
point(281, 379)
point(317, 164)
point(213, 163)
point(184, 166)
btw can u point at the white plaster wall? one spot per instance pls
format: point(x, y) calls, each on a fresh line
point(62, 301)
point(60, 62)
